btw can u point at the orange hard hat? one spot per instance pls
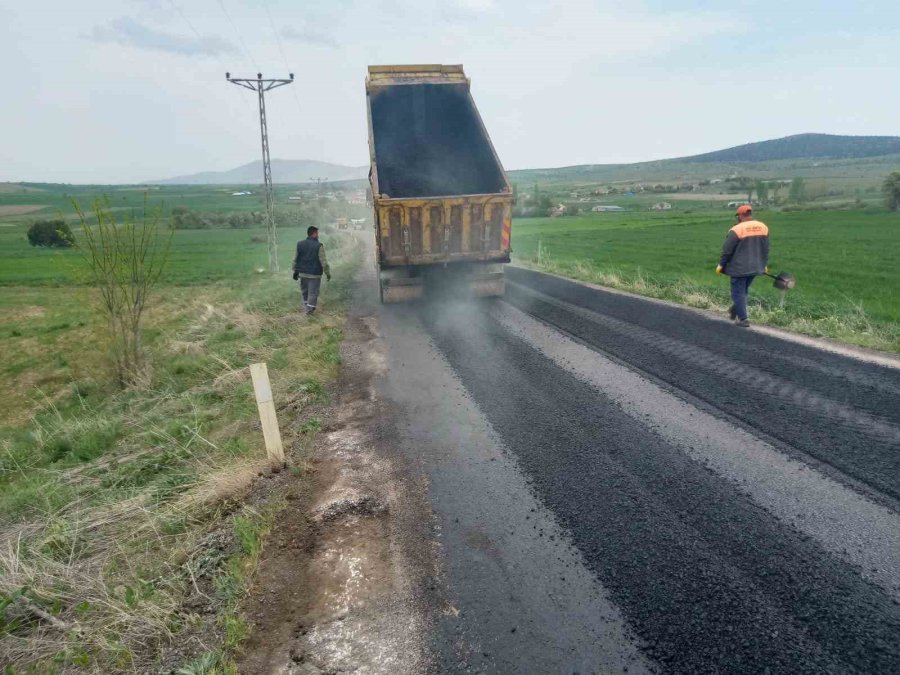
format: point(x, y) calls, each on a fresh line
point(744, 209)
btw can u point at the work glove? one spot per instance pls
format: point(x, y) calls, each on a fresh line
point(296, 275)
point(328, 276)
point(718, 269)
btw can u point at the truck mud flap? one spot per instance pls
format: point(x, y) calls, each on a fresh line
point(401, 289)
point(437, 283)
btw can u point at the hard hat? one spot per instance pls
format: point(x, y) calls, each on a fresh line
point(743, 209)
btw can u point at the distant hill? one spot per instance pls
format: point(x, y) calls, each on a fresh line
point(812, 146)
point(806, 155)
point(283, 171)
point(862, 159)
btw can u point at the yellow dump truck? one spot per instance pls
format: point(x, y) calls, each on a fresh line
point(442, 201)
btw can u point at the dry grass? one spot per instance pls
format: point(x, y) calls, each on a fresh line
point(19, 209)
point(98, 553)
point(17, 187)
point(845, 321)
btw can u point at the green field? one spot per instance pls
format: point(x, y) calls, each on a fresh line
point(198, 256)
point(107, 494)
point(56, 200)
point(848, 282)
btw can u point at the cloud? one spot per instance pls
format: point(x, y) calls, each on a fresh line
point(130, 33)
point(309, 35)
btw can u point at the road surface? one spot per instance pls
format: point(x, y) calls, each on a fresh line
point(618, 485)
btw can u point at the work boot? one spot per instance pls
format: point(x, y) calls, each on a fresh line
point(732, 313)
point(743, 323)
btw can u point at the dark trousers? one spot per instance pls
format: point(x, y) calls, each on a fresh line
point(740, 289)
point(309, 287)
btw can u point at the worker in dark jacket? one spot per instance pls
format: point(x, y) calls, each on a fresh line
point(745, 255)
point(309, 266)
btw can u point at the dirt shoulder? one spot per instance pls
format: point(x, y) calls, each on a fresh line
point(339, 583)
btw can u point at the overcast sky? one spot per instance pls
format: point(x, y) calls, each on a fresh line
point(107, 91)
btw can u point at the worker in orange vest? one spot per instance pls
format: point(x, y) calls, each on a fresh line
point(745, 255)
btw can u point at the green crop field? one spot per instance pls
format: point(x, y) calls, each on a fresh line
point(108, 493)
point(54, 200)
point(848, 282)
point(198, 256)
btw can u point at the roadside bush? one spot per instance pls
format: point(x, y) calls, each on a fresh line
point(184, 218)
point(50, 233)
point(891, 190)
point(124, 262)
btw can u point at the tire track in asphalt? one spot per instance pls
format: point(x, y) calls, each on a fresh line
point(805, 408)
point(711, 581)
point(847, 524)
point(515, 596)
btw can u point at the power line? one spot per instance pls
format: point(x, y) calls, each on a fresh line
point(199, 36)
point(283, 55)
point(277, 37)
point(239, 36)
point(186, 20)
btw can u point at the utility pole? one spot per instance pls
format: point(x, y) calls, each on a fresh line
point(261, 86)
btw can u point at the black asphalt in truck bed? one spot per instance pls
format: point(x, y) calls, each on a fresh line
point(711, 582)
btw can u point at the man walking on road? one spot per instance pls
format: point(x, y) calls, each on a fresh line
point(745, 255)
point(309, 265)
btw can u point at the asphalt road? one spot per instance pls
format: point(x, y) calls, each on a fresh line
point(623, 486)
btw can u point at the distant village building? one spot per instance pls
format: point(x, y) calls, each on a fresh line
point(606, 208)
point(558, 210)
point(661, 206)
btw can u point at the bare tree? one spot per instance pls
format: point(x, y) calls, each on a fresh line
point(891, 188)
point(797, 193)
point(125, 261)
point(762, 192)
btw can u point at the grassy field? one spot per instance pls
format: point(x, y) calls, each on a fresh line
point(117, 506)
point(22, 203)
point(848, 175)
point(848, 283)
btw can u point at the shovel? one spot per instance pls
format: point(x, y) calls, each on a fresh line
point(784, 281)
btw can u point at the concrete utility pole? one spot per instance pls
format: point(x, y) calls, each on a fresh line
point(261, 86)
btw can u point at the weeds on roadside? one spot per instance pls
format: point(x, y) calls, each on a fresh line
point(109, 499)
point(845, 321)
point(125, 262)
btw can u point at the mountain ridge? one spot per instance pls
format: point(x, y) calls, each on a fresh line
point(819, 146)
point(283, 171)
point(808, 146)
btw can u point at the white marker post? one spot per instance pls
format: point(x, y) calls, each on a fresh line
point(262, 389)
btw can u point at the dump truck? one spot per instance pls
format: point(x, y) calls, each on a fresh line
point(442, 202)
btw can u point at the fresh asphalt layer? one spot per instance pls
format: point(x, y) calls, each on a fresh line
point(841, 412)
point(622, 486)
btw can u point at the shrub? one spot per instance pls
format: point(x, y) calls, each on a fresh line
point(124, 262)
point(50, 233)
